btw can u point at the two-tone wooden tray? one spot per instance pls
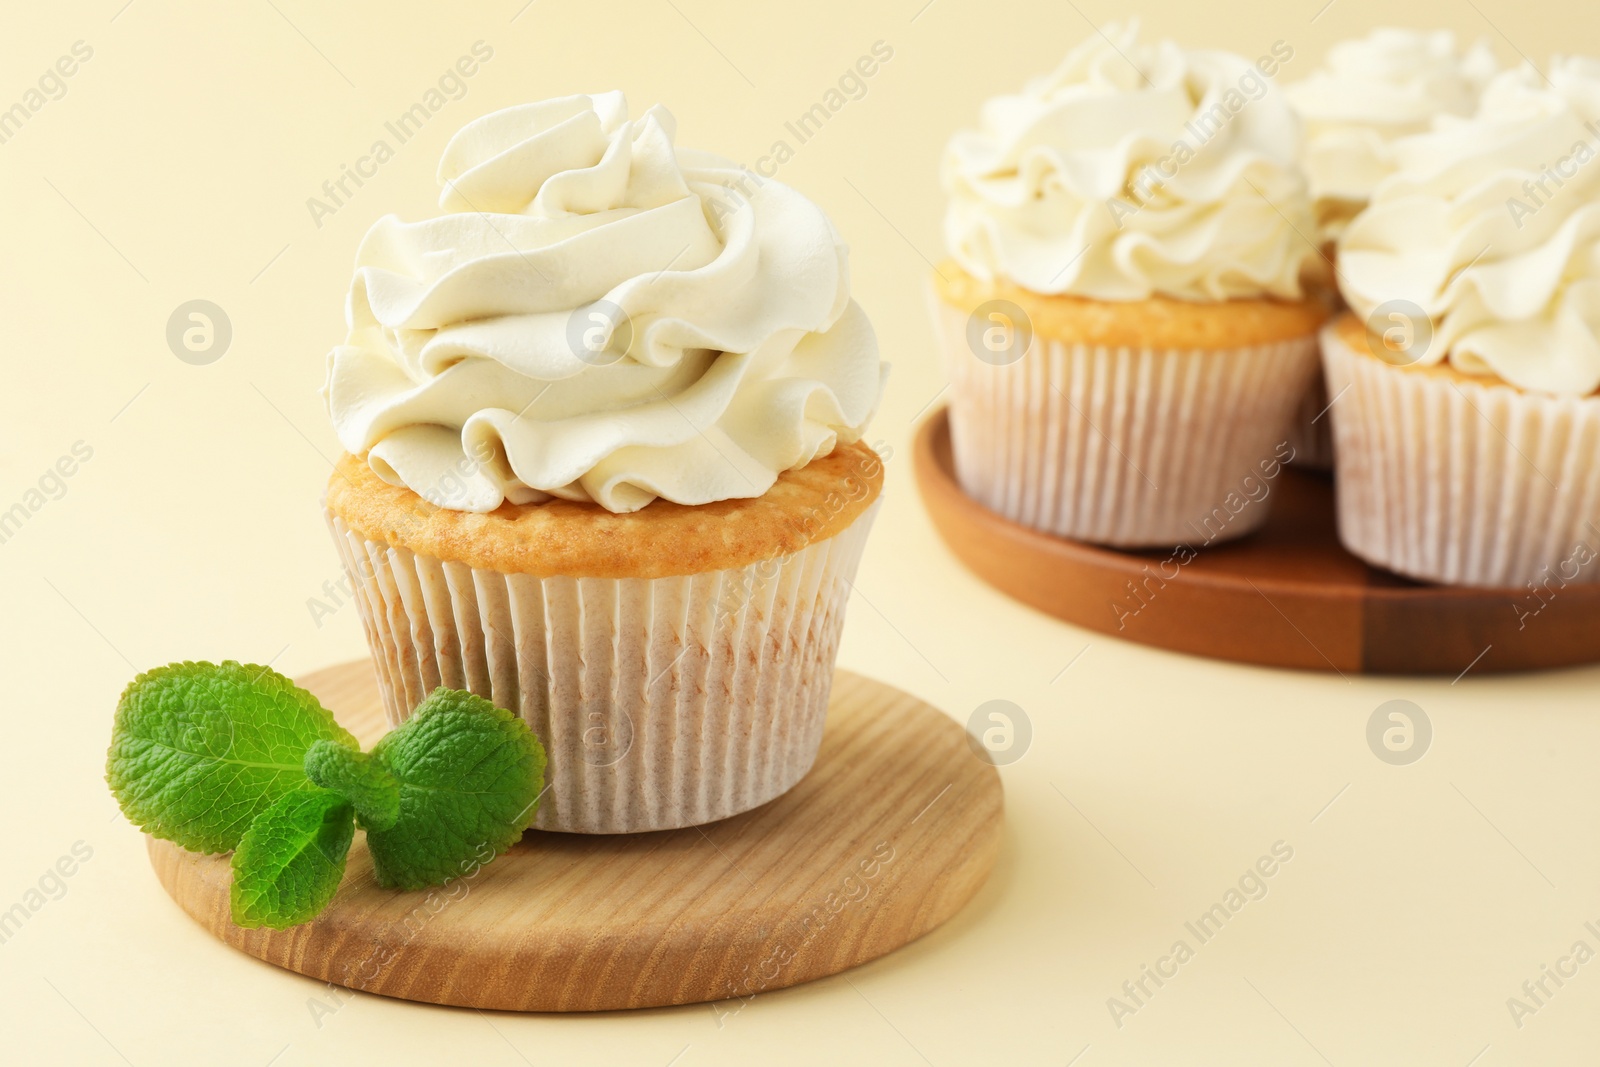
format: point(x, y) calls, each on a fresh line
point(1288, 595)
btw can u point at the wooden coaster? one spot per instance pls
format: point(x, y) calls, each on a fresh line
point(1288, 595)
point(892, 831)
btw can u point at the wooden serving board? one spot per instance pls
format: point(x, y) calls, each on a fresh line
point(1288, 595)
point(892, 831)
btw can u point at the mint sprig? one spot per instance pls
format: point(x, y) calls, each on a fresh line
point(469, 787)
point(200, 749)
point(289, 863)
point(219, 757)
point(361, 778)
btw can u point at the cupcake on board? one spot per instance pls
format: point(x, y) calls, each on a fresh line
point(603, 418)
point(1122, 315)
point(1467, 421)
point(1368, 93)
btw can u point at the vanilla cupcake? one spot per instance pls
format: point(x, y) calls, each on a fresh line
point(603, 419)
point(1467, 421)
point(1123, 318)
point(1369, 93)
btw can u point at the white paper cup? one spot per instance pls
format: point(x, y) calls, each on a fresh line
point(1462, 482)
point(661, 702)
point(1133, 447)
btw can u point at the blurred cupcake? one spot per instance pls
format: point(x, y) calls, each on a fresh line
point(1367, 94)
point(1123, 318)
point(603, 417)
point(1468, 424)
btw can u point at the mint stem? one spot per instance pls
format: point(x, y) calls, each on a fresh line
point(360, 779)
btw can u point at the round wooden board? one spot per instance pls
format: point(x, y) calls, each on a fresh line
point(892, 831)
point(1288, 595)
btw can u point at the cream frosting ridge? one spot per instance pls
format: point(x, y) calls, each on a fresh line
point(599, 316)
point(1491, 226)
point(1132, 170)
point(1368, 93)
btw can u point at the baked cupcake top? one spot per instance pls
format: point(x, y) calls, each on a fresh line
point(599, 316)
point(1488, 235)
point(805, 505)
point(1370, 92)
point(1135, 170)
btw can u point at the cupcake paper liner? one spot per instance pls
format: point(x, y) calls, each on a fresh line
point(1459, 482)
point(661, 702)
point(1118, 445)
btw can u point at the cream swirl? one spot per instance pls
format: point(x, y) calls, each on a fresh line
point(599, 316)
point(1134, 170)
point(1368, 93)
point(1491, 227)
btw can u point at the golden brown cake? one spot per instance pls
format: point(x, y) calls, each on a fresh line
point(556, 538)
point(1155, 322)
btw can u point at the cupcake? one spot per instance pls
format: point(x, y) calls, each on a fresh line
point(1468, 424)
point(603, 420)
point(1367, 94)
point(1122, 316)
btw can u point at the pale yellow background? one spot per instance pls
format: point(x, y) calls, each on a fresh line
point(177, 167)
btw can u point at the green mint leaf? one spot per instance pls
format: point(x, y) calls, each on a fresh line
point(289, 862)
point(470, 778)
point(360, 778)
point(200, 749)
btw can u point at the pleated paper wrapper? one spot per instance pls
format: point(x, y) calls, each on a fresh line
point(1121, 446)
point(661, 702)
point(1462, 483)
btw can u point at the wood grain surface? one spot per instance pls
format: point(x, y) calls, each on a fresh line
point(1288, 595)
point(892, 831)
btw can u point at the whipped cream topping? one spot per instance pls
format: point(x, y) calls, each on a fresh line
point(1368, 93)
point(1132, 170)
point(1490, 226)
point(599, 316)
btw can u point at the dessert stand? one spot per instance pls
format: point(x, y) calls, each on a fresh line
point(894, 829)
point(1288, 595)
